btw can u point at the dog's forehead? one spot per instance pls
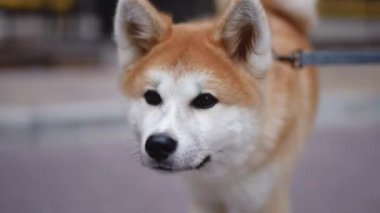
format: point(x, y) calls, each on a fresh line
point(182, 81)
point(178, 74)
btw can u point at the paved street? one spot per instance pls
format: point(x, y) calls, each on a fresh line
point(68, 171)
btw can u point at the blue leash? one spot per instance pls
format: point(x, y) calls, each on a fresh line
point(301, 59)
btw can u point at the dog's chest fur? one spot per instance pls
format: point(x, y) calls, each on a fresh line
point(237, 194)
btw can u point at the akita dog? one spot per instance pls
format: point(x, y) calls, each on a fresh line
point(210, 100)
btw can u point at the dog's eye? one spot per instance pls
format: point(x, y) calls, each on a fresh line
point(153, 98)
point(204, 101)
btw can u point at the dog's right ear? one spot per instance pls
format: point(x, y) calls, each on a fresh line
point(138, 27)
point(244, 31)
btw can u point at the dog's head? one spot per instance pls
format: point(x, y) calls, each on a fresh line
point(194, 91)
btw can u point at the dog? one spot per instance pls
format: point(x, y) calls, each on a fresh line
point(208, 99)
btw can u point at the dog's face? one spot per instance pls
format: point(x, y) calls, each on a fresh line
point(193, 91)
point(184, 123)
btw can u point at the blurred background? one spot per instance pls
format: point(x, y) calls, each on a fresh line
point(63, 146)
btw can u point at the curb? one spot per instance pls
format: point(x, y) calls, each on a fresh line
point(77, 114)
point(336, 110)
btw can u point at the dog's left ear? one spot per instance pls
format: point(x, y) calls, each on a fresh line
point(244, 32)
point(138, 28)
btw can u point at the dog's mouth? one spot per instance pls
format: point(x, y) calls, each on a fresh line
point(204, 162)
point(201, 165)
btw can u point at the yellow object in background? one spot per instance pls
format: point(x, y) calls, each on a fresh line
point(52, 5)
point(350, 8)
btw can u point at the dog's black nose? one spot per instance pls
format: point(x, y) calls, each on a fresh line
point(160, 146)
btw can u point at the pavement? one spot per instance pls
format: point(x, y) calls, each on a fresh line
point(339, 173)
point(63, 146)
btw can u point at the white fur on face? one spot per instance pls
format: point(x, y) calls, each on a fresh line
point(226, 133)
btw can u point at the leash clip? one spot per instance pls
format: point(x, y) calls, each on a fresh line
point(294, 59)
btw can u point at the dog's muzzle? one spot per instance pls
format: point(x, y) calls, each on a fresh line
point(160, 148)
